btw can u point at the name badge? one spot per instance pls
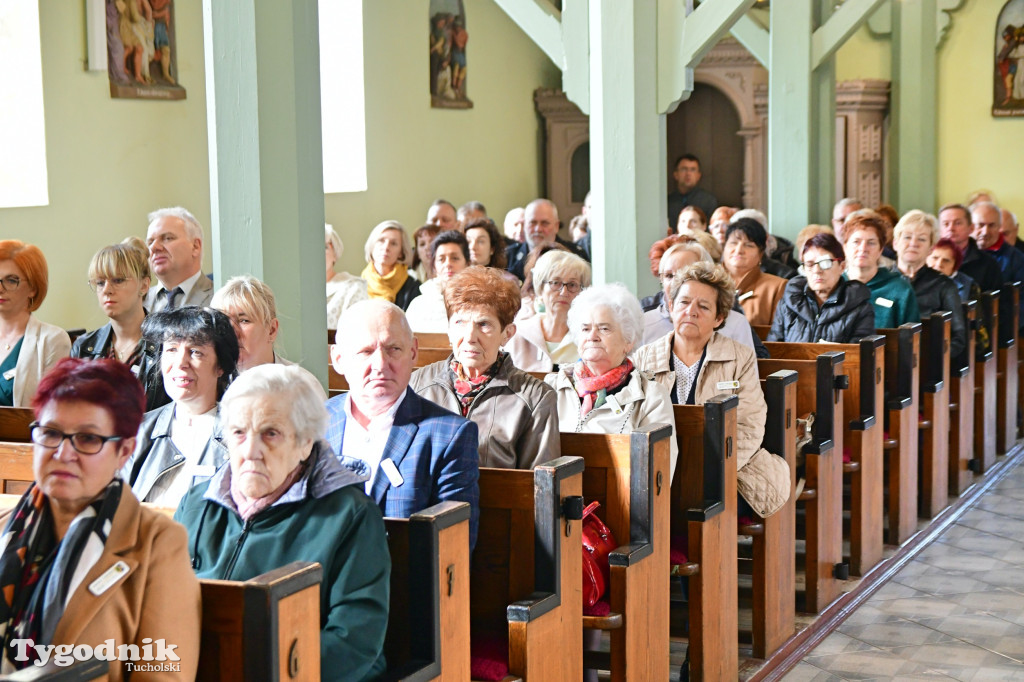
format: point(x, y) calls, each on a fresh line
point(884, 302)
point(205, 470)
point(727, 385)
point(135, 369)
point(613, 404)
point(109, 578)
point(743, 297)
point(9, 374)
point(391, 471)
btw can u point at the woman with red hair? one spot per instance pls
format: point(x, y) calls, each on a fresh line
point(28, 347)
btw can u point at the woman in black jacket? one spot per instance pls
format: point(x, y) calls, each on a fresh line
point(119, 275)
point(819, 304)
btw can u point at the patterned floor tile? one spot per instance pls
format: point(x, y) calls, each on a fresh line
point(956, 659)
point(997, 524)
point(1004, 506)
point(897, 590)
point(805, 672)
point(921, 607)
point(868, 614)
point(997, 674)
point(987, 631)
point(998, 601)
point(895, 634)
point(954, 559)
point(841, 643)
point(869, 665)
point(943, 583)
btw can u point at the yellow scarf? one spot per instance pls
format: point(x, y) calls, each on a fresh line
point(385, 286)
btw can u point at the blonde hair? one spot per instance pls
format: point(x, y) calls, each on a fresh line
point(556, 261)
point(331, 237)
point(917, 218)
point(380, 229)
point(250, 295)
point(704, 239)
point(809, 232)
point(129, 259)
point(715, 276)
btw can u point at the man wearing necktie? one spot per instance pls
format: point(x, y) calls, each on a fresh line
point(175, 241)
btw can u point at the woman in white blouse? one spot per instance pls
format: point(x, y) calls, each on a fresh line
point(343, 289)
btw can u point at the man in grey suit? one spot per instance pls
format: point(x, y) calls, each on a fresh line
point(175, 241)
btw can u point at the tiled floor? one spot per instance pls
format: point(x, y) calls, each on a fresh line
point(955, 612)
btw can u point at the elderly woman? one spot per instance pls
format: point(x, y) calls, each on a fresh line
point(78, 528)
point(286, 498)
point(603, 392)
point(421, 239)
point(343, 289)
point(692, 218)
point(513, 411)
point(180, 444)
point(119, 275)
point(387, 275)
point(913, 238)
point(249, 304)
point(946, 258)
point(820, 304)
point(449, 254)
point(893, 297)
point(718, 223)
point(28, 347)
point(528, 290)
point(694, 363)
point(758, 292)
point(543, 341)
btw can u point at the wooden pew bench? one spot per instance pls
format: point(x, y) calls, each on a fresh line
point(936, 414)
point(629, 475)
point(986, 387)
point(1006, 368)
point(902, 385)
point(961, 430)
point(819, 384)
point(525, 596)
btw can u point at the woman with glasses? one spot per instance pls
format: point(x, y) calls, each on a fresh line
point(893, 297)
point(543, 341)
point(819, 304)
point(181, 444)
point(81, 561)
point(119, 275)
point(28, 347)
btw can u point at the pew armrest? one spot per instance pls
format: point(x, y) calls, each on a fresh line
point(629, 555)
point(897, 404)
point(865, 422)
point(932, 386)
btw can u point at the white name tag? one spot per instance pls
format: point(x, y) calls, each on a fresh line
point(9, 374)
point(109, 578)
point(745, 296)
point(206, 470)
point(884, 302)
point(614, 404)
point(391, 471)
point(727, 385)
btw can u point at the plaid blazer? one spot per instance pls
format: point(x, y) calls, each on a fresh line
point(434, 450)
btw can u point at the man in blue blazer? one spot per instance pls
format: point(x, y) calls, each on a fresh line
point(413, 452)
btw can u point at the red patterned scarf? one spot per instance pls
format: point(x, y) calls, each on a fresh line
point(466, 388)
point(594, 389)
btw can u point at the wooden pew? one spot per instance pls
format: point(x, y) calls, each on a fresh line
point(774, 569)
point(629, 475)
point(79, 671)
point(934, 398)
point(864, 365)
point(902, 381)
point(819, 385)
point(526, 577)
point(704, 511)
point(428, 618)
point(433, 340)
point(961, 428)
point(263, 629)
point(986, 387)
point(16, 473)
point(1006, 368)
point(14, 424)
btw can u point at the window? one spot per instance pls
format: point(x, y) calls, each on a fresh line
point(342, 101)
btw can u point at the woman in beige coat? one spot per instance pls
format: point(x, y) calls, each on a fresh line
point(603, 392)
point(695, 363)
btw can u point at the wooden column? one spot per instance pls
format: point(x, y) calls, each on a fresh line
point(266, 167)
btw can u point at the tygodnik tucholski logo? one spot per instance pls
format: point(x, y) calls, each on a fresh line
point(135, 658)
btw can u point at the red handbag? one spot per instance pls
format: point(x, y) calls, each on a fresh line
point(598, 543)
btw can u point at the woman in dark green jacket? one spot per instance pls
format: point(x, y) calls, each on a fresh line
point(284, 497)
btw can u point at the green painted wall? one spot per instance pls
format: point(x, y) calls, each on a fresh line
point(491, 153)
point(109, 161)
point(972, 145)
point(112, 161)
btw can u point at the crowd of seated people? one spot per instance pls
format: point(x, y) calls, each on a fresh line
point(182, 400)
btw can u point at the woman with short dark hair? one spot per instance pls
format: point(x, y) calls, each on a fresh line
point(758, 292)
point(449, 254)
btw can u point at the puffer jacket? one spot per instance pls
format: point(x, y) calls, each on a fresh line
point(515, 413)
point(936, 292)
point(96, 345)
point(846, 316)
point(762, 478)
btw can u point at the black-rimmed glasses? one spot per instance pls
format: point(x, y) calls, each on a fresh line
point(84, 443)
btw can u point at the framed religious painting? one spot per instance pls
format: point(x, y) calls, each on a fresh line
point(448, 38)
point(142, 55)
point(1008, 98)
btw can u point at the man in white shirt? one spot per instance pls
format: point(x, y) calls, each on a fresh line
point(414, 452)
point(175, 242)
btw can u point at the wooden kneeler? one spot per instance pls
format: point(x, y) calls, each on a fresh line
point(428, 618)
point(629, 475)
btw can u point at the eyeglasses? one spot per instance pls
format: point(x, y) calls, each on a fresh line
point(85, 443)
point(823, 264)
point(100, 284)
point(10, 283)
point(556, 286)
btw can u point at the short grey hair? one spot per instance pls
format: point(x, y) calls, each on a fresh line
point(331, 237)
point(693, 247)
point(285, 385)
point(380, 229)
point(847, 201)
point(915, 218)
point(982, 205)
point(544, 202)
point(557, 260)
point(751, 213)
point(624, 307)
point(192, 227)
